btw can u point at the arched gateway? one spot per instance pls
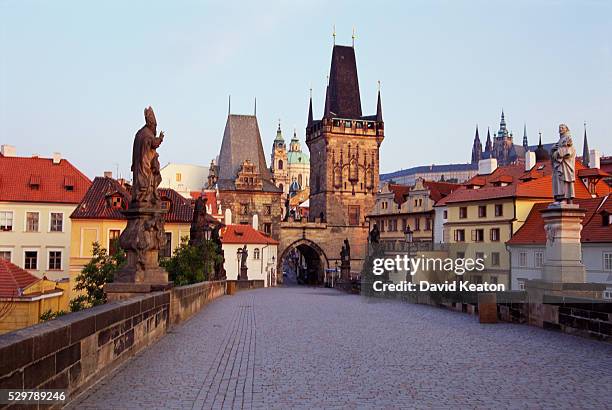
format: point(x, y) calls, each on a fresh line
point(303, 262)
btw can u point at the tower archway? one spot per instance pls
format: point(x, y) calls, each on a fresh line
point(303, 262)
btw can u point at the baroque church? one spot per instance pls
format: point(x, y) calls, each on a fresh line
point(290, 169)
point(503, 148)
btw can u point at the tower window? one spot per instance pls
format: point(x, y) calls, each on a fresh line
point(280, 164)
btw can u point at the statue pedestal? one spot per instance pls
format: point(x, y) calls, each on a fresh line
point(345, 271)
point(141, 241)
point(563, 258)
point(243, 273)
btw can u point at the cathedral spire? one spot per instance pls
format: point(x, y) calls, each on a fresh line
point(476, 148)
point(488, 144)
point(379, 116)
point(525, 142)
point(586, 157)
point(503, 129)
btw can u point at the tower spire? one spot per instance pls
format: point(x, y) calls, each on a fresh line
point(310, 108)
point(586, 156)
point(255, 108)
point(229, 104)
point(525, 142)
point(476, 148)
point(379, 116)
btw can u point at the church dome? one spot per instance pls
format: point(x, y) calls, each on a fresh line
point(297, 157)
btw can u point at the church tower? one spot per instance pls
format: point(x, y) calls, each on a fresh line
point(344, 151)
point(476, 148)
point(279, 162)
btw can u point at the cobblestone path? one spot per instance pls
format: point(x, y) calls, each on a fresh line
point(311, 348)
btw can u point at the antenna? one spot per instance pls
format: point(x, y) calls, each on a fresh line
point(334, 34)
point(353, 36)
point(229, 104)
point(255, 108)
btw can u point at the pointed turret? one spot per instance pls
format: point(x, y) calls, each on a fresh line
point(343, 98)
point(525, 142)
point(279, 133)
point(586, 157)
point(503, 129)
point(379, 116)
point(541, 153)
point(488, 143)
point(310, 109)
point(476, 148)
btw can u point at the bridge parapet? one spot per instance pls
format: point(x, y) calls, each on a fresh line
point(75, 350)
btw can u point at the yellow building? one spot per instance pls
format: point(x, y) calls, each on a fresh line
point(25, 297)
point(483, 215)
point(98, 218)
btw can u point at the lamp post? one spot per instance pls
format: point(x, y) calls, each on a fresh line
point(408, 238)
point(270, 270)
point(238, 259)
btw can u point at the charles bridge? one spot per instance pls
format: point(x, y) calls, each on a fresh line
point(300, 347)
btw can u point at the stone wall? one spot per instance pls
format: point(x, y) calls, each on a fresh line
point(74, 351)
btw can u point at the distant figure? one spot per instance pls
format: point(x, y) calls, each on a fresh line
point(563, 157)
point(375, 234)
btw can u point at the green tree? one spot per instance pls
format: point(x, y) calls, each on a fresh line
point(191, 263)
point(98, 271)
point(50, 315)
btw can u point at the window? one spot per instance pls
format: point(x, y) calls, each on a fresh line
point(267, 209)
point(178, 177)
point(479, 255)
point(267, 228)
point(32, 221)
point(523, 259)
point(478, 235)
point(463, 212)
point(417, 224)
point(445, 214)
point(113, 241)
point(607, 260)
point(6, 255)
point(521, 285)
point(482, 211)
point(166, 204)
point(384, 205)
point(55, 260)
point(353, 214)
point(31, 260)
point(256, 253)
point(428, 224)
point(538, 259)
point(460, 255)
point(117, 201)
point(494, 258)
point(6, 221)
point(244, 209)
point(166, 251)
point(57, 222)
point(459, 235)
point(280, 164)
point(494, 234)
point(499, 210)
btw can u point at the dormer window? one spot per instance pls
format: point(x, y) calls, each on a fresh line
point(69, 183)
point(166, 204)
point(606, 218)
point(34, 182)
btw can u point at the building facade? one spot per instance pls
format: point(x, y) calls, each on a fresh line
point(245, 185)
point(262, 253)
point(37, 196)
point(184, 178)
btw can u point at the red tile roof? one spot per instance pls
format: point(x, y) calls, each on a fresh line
point(437, 190)
point(245, 234)
point(593, 228)
point(19, 175)
point(512, 181)
point(97, 202)
point(13, 279)
point(211, 200)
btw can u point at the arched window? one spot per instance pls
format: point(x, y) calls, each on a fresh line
point(353, 171)
point(256, 253)
point(280, 164)
point(300, 180)
point(281, 187)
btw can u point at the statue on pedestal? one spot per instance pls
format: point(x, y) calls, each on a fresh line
point(244, 255)
point(198, 223)
point(563, 157)
point(144, 235)
point(374, 236)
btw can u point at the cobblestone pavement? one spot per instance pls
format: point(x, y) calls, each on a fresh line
point(317, 348)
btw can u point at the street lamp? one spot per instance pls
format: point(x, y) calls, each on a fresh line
point(408, 238)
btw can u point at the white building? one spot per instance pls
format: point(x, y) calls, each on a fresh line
point(37, 197)
point(184, 178)
point(262, 253)
point(528, 245)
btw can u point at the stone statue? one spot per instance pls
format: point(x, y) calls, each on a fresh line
point(348, 249)
point(243, 257)
point(145, 163)
point(563, 157)
point(374, 235)
point(198, 223)
point(212, 175)
point(345, 253)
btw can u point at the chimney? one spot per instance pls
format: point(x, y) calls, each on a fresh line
point(57, 157)
point(594, 159)
point(8, 150)
point(530, 160)
point(228, 217)
point(487, 166)
point(256, 222)
point(108, 174)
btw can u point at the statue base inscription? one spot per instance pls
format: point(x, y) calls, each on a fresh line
point(563, 261)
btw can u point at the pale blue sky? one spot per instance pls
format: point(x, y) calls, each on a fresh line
point(76, 75)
